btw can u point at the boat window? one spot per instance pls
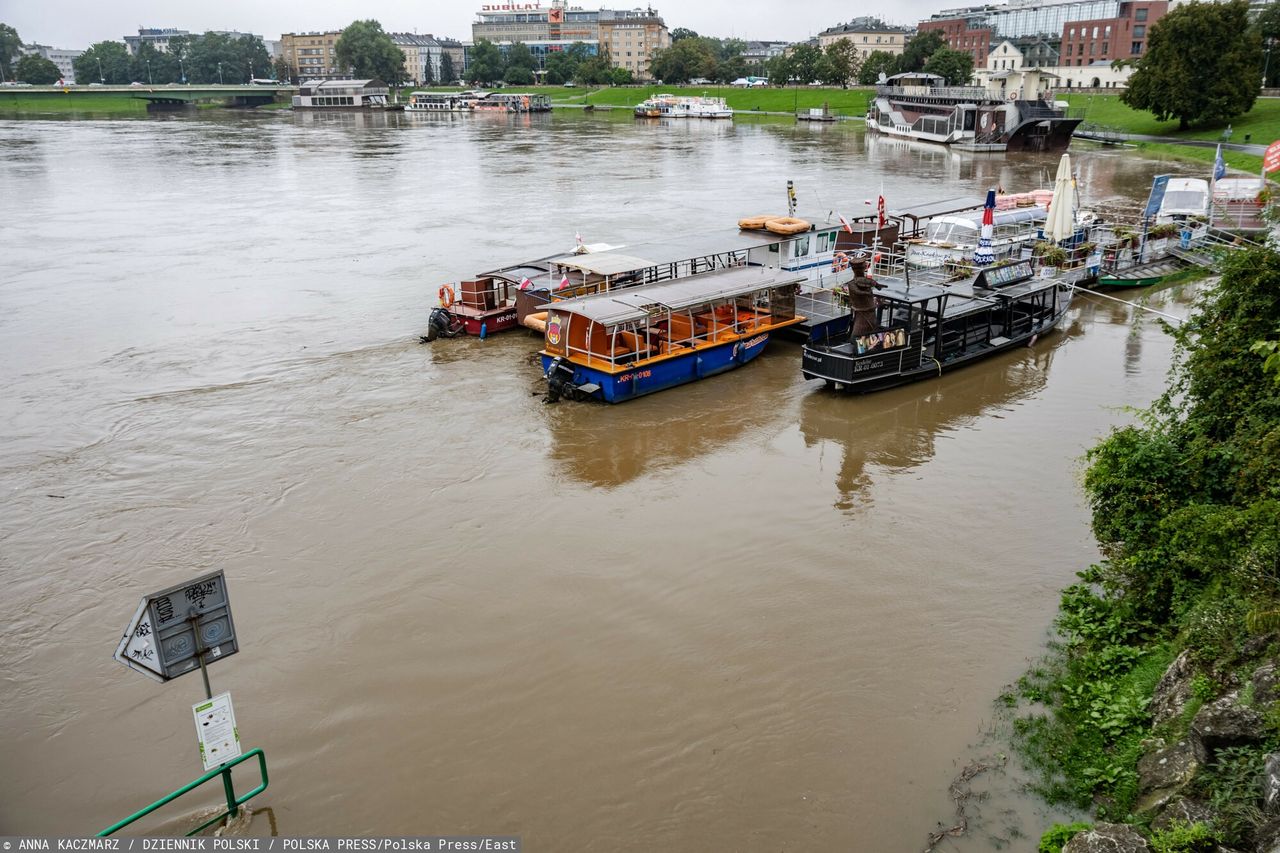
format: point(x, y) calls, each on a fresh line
point(955, 232)
point(1184, 200)
point(773, 247)
point(802, 246)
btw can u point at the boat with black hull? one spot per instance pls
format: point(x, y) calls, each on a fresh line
point(924, 330)
point(1009, 113)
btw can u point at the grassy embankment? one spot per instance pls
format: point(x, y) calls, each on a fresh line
point(1186, 508)
point(845, 102)
point(56, 103)
point(1261, 124)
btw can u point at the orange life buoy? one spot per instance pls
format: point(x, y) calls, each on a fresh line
point(447, 297)
point(839, 262)
point(787, 225)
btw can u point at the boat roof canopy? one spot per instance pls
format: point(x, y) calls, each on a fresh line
point(678, 248)
point(637, 303)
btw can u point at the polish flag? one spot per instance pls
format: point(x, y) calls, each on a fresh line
point(847, 226)
point(564, 282)
point(525, 284)
point(880, 212)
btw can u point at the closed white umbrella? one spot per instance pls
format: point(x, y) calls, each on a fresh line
point(1061, 223)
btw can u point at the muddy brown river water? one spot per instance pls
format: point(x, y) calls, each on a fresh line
point(744, 615)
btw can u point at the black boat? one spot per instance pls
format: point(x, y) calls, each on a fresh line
point(923, 330)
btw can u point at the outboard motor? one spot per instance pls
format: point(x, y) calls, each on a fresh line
point(440, 324)
point(559, 377)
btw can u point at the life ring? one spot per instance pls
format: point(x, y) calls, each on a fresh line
point(447, 296)
point(754, 223)
point(839, 262)
point(787, 225)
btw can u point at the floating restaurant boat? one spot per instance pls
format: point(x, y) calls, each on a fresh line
point(477, 101)
point(924, 330)
point(1012, 112)
point(625, 344)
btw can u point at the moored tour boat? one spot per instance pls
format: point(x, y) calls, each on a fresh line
point(622, 345)
point(1013, 111)
point(924, 330)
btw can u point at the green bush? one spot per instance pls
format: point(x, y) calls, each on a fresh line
point(1057, 836)
point(1184, 837)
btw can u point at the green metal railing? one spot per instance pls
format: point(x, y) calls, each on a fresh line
point(233, 802)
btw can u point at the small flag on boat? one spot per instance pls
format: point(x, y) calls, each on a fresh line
point(525, 284)
point(564, 282)
point(880, 211)
point(1219, 166)
point(847, 226)
point(983, 255)
point(577, 237)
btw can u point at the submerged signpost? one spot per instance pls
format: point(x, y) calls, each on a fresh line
point(176, 631)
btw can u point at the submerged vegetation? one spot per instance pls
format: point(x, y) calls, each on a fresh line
point(1158, 703)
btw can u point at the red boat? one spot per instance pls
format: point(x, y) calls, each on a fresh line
point(481, 307)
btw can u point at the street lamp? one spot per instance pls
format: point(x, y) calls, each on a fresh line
point(182, 69)
point(1267, 63)
point(101, 77)
point(149, 80)
point(220, 83)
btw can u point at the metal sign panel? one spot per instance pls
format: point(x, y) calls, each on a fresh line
point(171, 625)
point(1271, 159)
point(137, 649)
point(216, 730)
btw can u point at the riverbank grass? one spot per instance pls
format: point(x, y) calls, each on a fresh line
point(57, 103)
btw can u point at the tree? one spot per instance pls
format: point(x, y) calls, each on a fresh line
point(1268, 27)
point(806, 62)
point(517, 75)
point(778, 70)
point(519, 56)
point(36, 70)
point(153, 66)
point(919, 49)
point(841, 63)
point(593, 71)
point(877, 62)
point(681, 33)
point(1202, 66)
point(954, 65)
point(621, 77)
point(447, 74)
point(215, 58)
point(106, 62)
point(486, 64)
point(560, 67)
point(685, 60)
point(280, 69)
point(428, 74)
point(364, 48)
point(10, 47)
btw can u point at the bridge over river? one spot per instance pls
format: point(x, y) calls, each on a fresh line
point(172, 94)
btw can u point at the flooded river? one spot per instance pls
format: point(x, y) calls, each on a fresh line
point(741, 615)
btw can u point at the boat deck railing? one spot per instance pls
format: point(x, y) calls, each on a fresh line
point(960, 93)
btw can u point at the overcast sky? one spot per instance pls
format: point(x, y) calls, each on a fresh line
point(79, 23)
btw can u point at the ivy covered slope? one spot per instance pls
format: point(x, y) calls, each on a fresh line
point(1159, 705)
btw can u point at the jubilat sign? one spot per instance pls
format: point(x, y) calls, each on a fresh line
point(511, 7)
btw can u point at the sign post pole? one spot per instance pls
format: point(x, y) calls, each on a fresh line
point(194, 618)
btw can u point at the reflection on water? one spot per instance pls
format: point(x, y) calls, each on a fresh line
point(897, 430)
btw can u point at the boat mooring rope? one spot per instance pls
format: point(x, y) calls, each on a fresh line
point(1131, 304)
